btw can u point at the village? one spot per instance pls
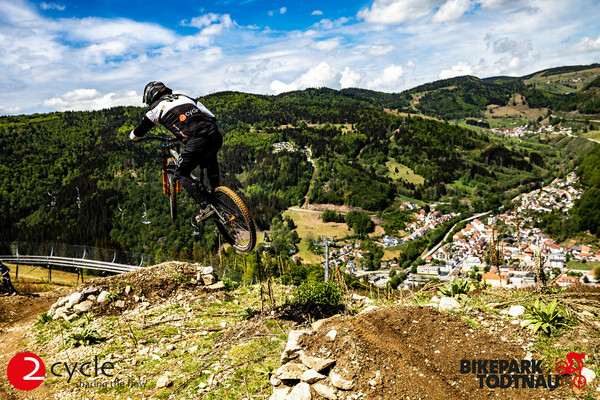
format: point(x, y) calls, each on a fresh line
point(520, 131)
point(466, 253)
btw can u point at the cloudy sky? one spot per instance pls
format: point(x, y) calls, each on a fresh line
point(82, 55)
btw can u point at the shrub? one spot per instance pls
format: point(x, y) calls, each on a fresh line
point(44, 318)
point(323, 294)
point(456, 288)
point(85, 335)
point(547, 317)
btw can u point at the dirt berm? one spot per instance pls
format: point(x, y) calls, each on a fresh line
point(409, 352)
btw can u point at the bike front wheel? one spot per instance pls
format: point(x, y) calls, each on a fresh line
point(234, 220)
point(173, 201)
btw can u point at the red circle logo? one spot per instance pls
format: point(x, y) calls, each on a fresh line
point(26, 371)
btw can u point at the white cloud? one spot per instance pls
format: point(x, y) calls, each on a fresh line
point(326, 45)
point(390, 79)
point(393, 12)
point(202, 21)
point(349, 79)
point(42, 56)
point(379, 50)
point(317, 12)
point(99, 29)
point(91, 99)
point(496, 4)
point(460, 69)
point(282, 10)
point(322, 75)
point(9, 110)
point(451, 11)
point(587, 44)
point(513, 47)
point(52, 6)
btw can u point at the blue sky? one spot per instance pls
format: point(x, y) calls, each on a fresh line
point(76, 55)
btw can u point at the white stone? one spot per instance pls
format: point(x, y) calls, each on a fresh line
point(205, 270)
point(356, 297)
point(325, 391)
point(90, 290)
point(331, 335)
point(127, 289)
point(368, 310)
point(74, 298)
point(217, 286)
point(435, 299)
point(292, 347)
point(120, 304)
point(163, 381)
point(290, 371)
point(82, 307)
point(311, 376)
point(209, 279)
point(275, 381)
point(62, 301)
point(102, 296)
point(318, 364)
point(340, 382)
point(589, 375)
point(59, 313)
point(449, 303)
point(516, 311)
point(280, 393)
point(300, 392)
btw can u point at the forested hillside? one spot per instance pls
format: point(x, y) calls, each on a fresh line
point(351, 147)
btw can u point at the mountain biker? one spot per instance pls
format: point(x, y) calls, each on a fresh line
point(192, 123)
point(7, 285)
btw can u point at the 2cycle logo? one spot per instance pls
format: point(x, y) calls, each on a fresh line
point(504, 374)
point(26, 371)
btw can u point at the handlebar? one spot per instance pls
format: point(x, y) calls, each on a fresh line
point(159, 139)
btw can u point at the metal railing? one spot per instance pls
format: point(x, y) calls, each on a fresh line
point(72, 257)
point(75, 263)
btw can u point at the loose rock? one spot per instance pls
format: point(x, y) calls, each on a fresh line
point(163, 381)
point(448, 304)
point(292, 347)
point(326, 391)
point(318, 364)
point(300, 392)
point(311, 376)
point(340, 382)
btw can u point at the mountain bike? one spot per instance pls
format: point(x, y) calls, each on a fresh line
point(231, 214)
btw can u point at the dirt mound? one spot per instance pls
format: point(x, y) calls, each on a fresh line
point(158, 281)
point(415, 353)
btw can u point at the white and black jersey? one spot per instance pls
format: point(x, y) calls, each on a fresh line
point(180, 114)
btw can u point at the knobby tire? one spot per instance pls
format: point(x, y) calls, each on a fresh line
point(239, 231)
point(173, 200)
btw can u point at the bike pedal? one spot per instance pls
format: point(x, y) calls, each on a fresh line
point(205, 214)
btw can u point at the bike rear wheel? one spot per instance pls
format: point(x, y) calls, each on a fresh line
point(234, 220)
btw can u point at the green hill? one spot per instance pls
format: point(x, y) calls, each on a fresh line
point(351, 138)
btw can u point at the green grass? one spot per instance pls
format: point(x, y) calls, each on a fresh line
point(587, 266)
point(592, 135)
point(28, 273)
point(403, 172)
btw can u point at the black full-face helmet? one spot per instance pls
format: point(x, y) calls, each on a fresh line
point(154, 91)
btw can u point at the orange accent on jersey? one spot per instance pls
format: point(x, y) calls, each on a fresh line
point(182, 117)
